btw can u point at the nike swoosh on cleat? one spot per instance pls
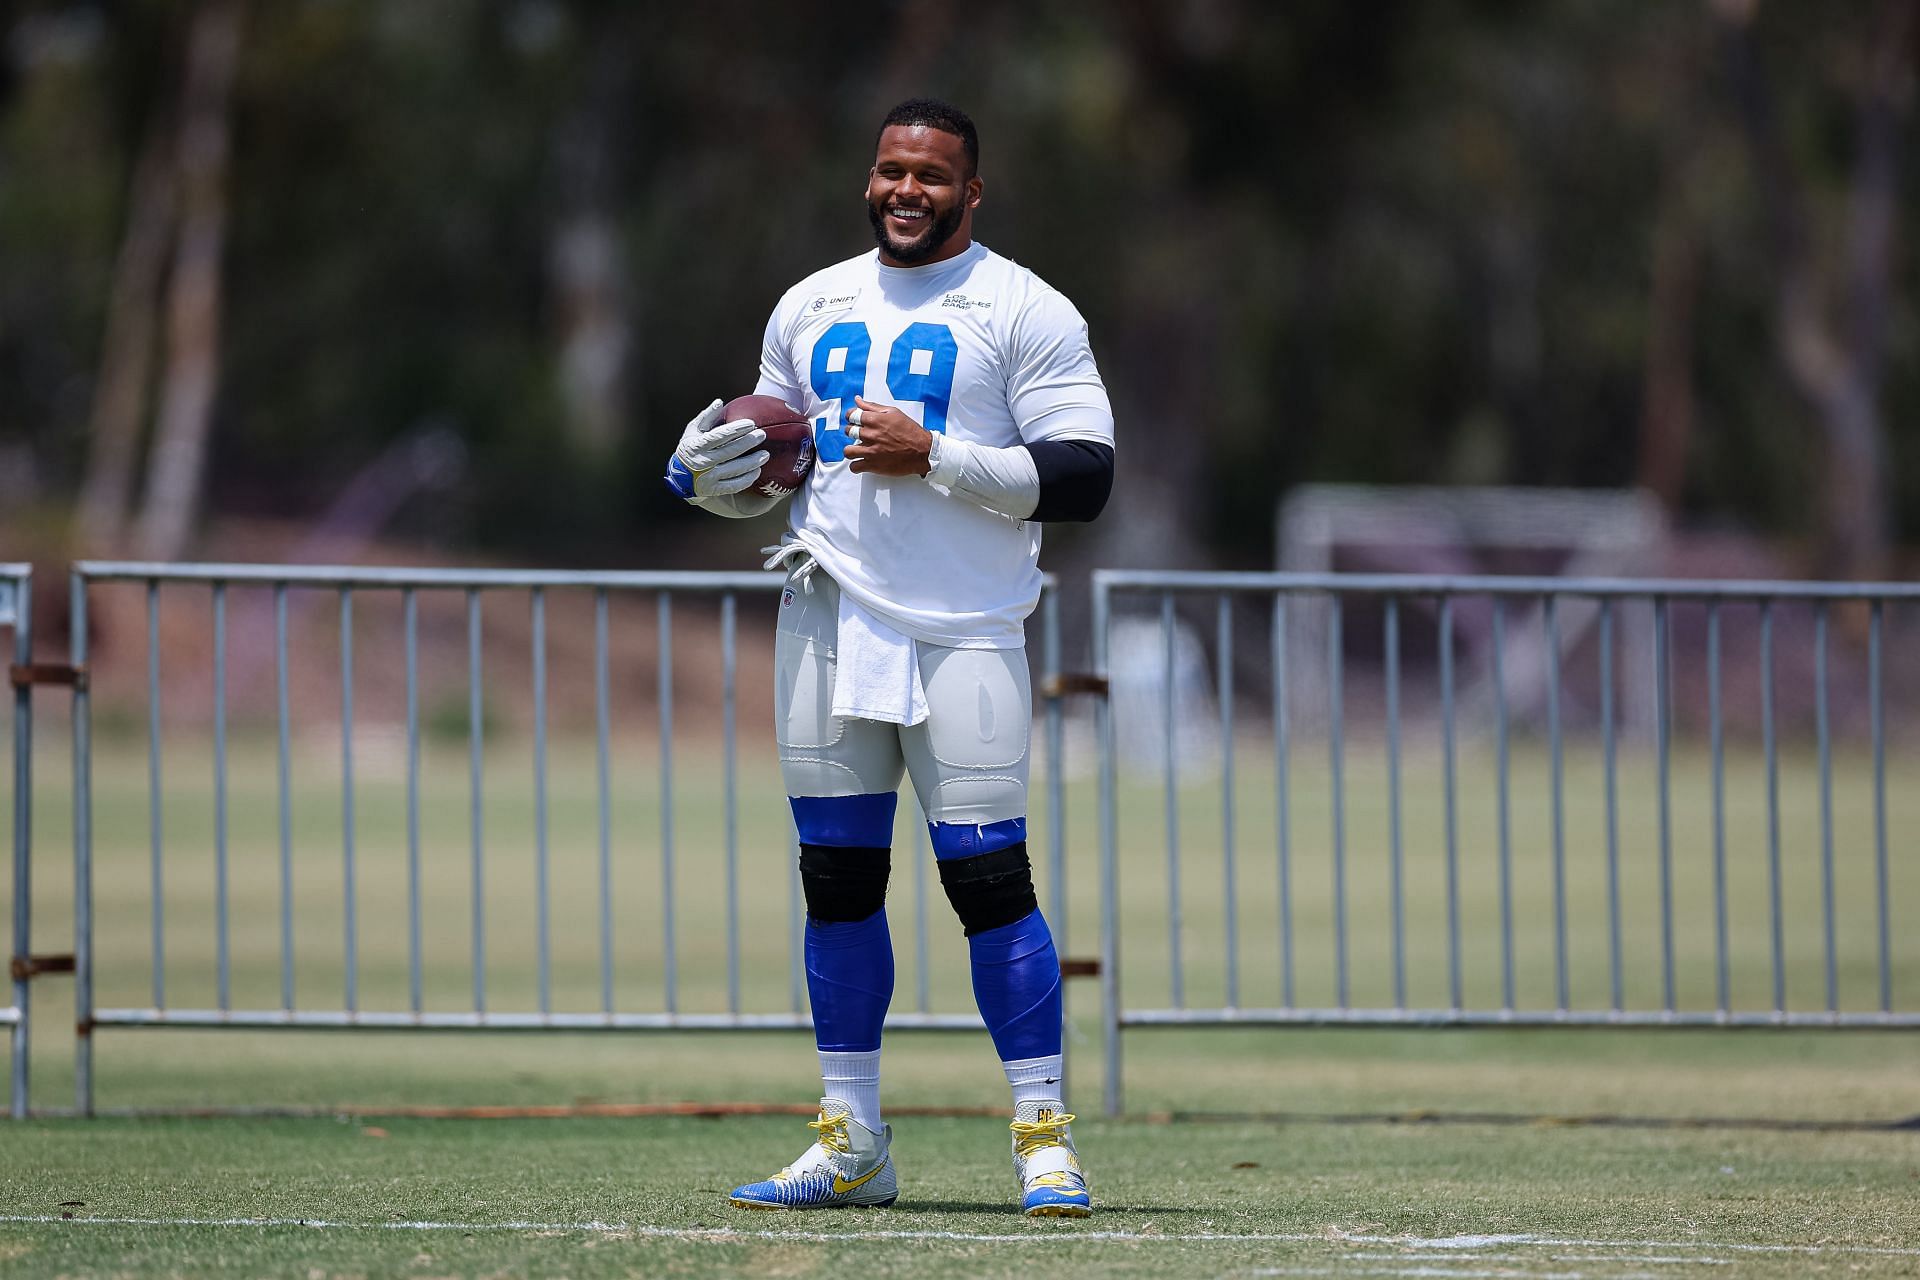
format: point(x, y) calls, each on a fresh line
point(841, 1186)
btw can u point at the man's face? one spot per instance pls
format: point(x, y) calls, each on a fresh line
point(919, 196)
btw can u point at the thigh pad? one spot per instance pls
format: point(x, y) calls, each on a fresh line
point(820, 753)
point(969, 758)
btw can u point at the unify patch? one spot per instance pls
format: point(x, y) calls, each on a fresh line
point(828, 303)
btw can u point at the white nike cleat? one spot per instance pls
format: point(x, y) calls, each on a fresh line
point(1052, 1183)
point(849, 1165)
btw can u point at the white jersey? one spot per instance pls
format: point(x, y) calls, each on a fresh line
point(977, 347)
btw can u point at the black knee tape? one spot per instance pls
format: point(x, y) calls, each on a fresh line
point(990, 890)
point(843, 885)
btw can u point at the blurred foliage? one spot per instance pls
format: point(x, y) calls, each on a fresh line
point(1390, 242)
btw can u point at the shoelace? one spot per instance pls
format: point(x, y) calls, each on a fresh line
point(1031, 1135)
point(833, 1136)
point(795, 560)
point(833, 1131)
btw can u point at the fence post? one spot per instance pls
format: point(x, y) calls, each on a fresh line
point(1056, 757)
point(1109, 859)
point(19, 584)
point(82, 852)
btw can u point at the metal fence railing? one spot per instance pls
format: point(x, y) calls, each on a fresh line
point(269, 916)
point(1448, 760)
point(16, 609)
point(501, 800)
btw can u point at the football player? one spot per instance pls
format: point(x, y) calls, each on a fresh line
point(956, 409)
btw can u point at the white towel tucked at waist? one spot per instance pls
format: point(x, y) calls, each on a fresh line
point(877, 672)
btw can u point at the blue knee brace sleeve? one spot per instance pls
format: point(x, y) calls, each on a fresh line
point(845, 822)
point(1016, 983)
point(850, 981)
point(843, 866)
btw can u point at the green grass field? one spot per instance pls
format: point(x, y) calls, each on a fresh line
point(437, 1198)
point(1329, 1152)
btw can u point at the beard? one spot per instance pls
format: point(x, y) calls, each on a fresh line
point(940, 229)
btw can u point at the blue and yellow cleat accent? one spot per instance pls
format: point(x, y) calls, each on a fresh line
point(1058, 1195)
point(848, 1166)
point(1052, 1183)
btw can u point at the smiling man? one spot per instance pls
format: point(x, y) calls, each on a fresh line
point(956, 408)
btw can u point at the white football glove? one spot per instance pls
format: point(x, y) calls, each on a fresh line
point(716, 458)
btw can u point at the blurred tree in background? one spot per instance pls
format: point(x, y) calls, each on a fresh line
point(253, 254)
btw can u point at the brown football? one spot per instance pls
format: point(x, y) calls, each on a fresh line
point(789, 442)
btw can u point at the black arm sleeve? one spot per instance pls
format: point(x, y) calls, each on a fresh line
point(1075, 478)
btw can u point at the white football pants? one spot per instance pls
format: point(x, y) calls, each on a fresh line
point(967, 759)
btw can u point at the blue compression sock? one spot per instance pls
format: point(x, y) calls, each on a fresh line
point(850, 981)
point(1016, 983)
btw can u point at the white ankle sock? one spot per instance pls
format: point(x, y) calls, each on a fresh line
point(854, 1078)
point(1034, 1079)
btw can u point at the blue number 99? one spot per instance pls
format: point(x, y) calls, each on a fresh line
point(933, 388)
point(850, 341)
point(841, 379)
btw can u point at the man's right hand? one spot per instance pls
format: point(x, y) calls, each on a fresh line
point(716, 458)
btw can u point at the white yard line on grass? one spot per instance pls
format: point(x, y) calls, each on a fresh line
point(724, 1235)
point(1433, 1273)
point(1558, 1257)
point(1641, 1257)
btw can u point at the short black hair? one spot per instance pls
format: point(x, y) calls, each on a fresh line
point(931, 113)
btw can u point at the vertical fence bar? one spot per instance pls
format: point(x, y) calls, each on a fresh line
point(922, 856)
point(410, 618)
point(1056, 810)
point(1663, 729)
point(1502, 800)
point(1450, 785)
point(1824, 734)
point(1230, 883)
point(795, 958)
point(82, 849)
point(22, 845)
point(1283, 793)
point(1056, 806)
point(1111, 1092)
point(1170, 749)
point(156, 837)
point(223, 952)
point(1560, 980)
point(1772, 748)
point(732, 805)
point(1336, 751)
point(1722, 985)
point(1609, 750)
point(349, 885)
point(476, 816)
point(1056, 769)
point(543, 941)
point(1395, 887)
point(283, 717)
point(1875, 696)
point(1170, 778)
point(672, 977)
point(603, 796)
